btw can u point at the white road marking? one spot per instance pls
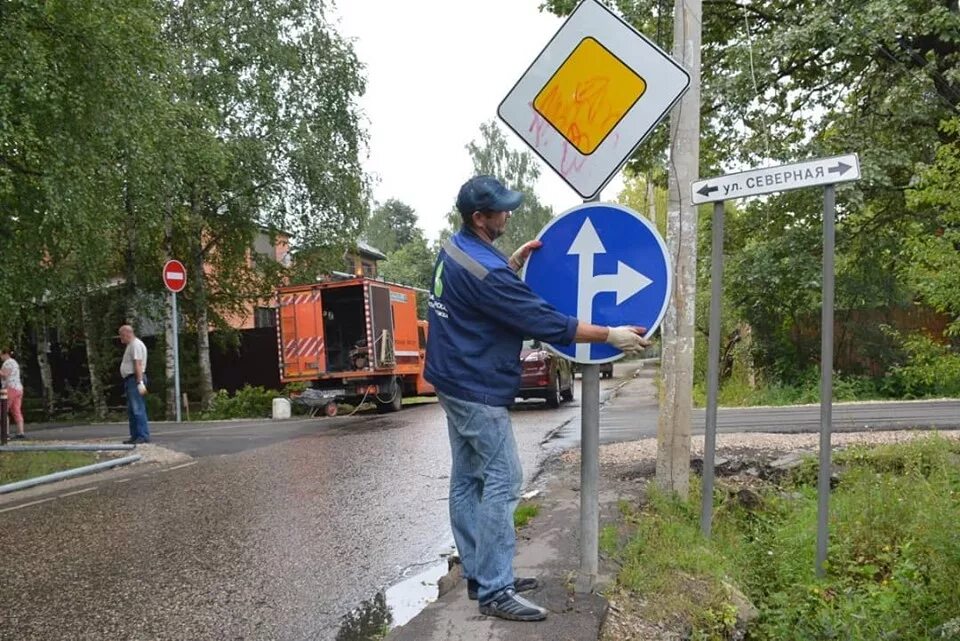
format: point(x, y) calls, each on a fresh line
point(177, 467)
point(87, 489)
point(17, 507)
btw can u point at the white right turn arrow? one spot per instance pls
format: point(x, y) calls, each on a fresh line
point(626, 282)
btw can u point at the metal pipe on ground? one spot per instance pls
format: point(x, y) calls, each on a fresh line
point(66, 474)
point(68, 447)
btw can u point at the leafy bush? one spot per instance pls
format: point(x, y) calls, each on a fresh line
point(893, 561)
point(931, 369)
point(248, 402)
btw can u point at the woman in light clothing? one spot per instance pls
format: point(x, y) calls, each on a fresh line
point(10, 380)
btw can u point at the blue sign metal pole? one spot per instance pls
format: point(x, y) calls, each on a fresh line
point(713, 370)
point(603, 264)
point(589, 471)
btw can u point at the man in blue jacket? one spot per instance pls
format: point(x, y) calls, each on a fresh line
point(480, 313)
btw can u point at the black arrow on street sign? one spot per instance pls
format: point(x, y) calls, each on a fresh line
point(841, 168)
point(706, 190)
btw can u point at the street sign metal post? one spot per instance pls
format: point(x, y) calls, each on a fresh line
point(175, 279)
point(607, 265)
point(594, 93)
point(826, 172)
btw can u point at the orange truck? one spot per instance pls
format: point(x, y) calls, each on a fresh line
point(354, 340)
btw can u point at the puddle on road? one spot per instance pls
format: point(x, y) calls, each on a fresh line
point(394, 606)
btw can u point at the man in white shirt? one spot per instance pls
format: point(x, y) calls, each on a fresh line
point(133, 369)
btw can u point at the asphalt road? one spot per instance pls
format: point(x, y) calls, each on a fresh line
point(641, 420)
point(276, 531)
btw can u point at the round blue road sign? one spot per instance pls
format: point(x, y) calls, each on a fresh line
point(605, 264)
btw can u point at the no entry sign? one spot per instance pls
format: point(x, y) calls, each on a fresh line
point(174, 276)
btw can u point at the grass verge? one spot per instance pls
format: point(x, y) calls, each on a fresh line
point(525, 512)
point(894, 553)
point(18, 466)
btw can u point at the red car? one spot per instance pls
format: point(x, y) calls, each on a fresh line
point(545, 375)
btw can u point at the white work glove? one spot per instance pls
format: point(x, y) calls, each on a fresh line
point(519, 258)
point(627, 339)
point(142, 388)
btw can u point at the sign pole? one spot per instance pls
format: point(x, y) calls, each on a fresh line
point(589, 470)
point(176, 355)
point(713, 369)
point(826, 377)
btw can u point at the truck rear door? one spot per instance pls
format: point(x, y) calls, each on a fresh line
point(301, 334)
point(381, 325)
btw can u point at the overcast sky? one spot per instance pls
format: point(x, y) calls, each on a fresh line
point(437, 69)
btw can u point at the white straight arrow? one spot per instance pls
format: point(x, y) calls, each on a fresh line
point(626, 282)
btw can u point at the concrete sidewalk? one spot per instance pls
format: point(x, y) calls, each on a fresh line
point(547, 548)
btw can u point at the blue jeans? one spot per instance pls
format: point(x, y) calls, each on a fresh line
point(136, 409)
point(485, 482)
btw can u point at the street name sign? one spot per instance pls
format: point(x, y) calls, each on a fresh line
point(606, 265)
point(810, 173)
point(174, 276)
point(594, 93)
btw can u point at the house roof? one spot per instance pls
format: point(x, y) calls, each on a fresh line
point(366, 249)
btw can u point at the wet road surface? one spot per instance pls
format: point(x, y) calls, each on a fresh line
point(275, 540)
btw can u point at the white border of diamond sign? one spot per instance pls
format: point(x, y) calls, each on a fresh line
point(665, 82)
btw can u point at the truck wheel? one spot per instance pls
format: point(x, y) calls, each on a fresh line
point(396, 403)
point(553, 400)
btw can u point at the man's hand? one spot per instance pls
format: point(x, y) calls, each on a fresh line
point(628, 339)
point(519, 258)
point(142, 388)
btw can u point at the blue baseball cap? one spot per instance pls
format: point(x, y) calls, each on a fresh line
point(486, 193)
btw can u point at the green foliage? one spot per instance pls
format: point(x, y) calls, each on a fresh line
point(17, 466)
point(491, 154)
point(411, 264)
point(893, 559)
point(929, 369)
point(786, 80)
point(524, 513)
point(248, 402)
point(935, 248)
point(392, 226)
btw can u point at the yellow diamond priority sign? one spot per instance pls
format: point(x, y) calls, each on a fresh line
point(592, 95)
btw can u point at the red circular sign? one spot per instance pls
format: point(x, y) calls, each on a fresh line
point(174, 276)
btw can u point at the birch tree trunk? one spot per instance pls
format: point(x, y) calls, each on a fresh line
point(93, 359)
point(43, 362)
point(203, 331)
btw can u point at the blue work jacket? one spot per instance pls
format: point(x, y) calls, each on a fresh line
point(480, 313)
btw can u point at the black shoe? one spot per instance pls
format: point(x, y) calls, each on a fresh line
point(130, 441)
point(507, 605)
point(19, 437)
point(519, 584)
point(139, 441)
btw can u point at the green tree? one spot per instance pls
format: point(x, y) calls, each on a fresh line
point(412, 264)
point(518, 170)
point(934, 268)
point(791, 79)
point(270, 94)
point(392, 225)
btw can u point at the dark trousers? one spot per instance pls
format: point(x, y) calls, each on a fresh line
point(136, 409)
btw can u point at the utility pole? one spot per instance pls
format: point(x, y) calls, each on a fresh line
point(676, 402)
